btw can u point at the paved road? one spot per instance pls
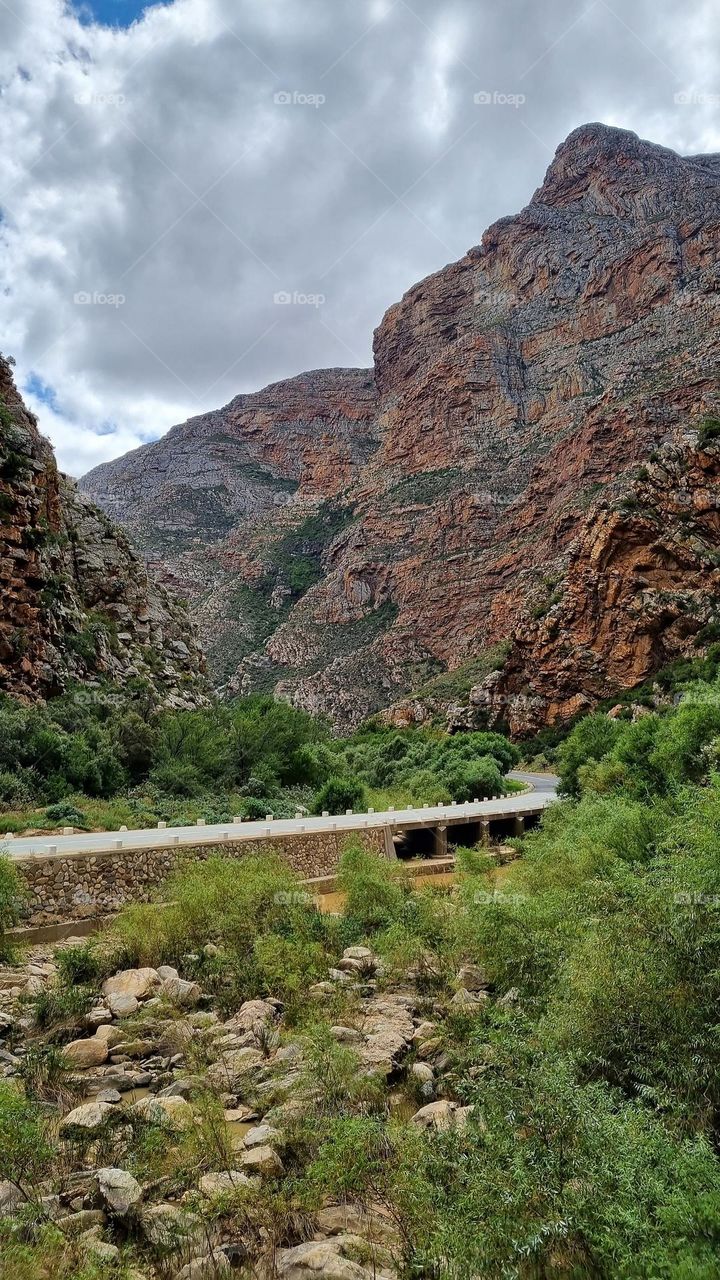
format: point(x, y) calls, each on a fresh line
point(545, 783)
point(99, 842)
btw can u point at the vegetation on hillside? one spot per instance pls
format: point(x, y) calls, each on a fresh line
point(102, 758)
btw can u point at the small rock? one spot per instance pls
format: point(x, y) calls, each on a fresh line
point(472, 978)
point(212, 1266)
point(166, 971)
point(108, 1095)
point(100, 1250)
point(470, 1000)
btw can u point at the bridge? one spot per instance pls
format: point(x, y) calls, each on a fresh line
point(455, 823)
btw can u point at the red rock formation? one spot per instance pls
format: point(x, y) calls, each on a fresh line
point(77, 602)
point(518, 392)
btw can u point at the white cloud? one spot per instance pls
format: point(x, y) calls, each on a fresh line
point(154, 163)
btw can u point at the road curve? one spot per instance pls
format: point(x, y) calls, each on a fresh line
point(226, 832)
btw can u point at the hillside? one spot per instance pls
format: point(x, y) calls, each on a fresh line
point(521, 494)
point(78, 602)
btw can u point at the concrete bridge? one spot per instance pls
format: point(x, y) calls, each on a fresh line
point(412, 832)
point(81, 878)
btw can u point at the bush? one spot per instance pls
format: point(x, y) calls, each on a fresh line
point(340, 794)
point(11, 899)
point(25, 1154)
point(376, 890)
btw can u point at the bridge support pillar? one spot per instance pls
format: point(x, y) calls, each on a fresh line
point(519, 825)
point(485, 833)
point(441, 842)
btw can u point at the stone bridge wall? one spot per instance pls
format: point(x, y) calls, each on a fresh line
point(81, 886)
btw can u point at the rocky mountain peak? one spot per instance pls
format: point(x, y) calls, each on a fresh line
point(485, 513)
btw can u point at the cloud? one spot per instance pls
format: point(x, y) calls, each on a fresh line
point(161, 185)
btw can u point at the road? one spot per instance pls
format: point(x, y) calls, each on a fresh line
point(219, 833)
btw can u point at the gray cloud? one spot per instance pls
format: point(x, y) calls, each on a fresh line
point(156, 167)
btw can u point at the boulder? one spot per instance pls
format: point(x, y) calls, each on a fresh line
point(261, 1135)
point(123, 1006)
point(168, 1226)
point(218, 1184)
point(88, 1118)
point(262, 1160)
point(111, 1035)
point(442, 1114)
point(97, 1249)
point(253, 1015)
point(319, 1258)
point(139, 983)
point(118, 1190)
point(179, 992)
point(469, 1000)
point(211, 1266)
point(86, 1053)
point(173, 1111)
point(472, 978)
point(228, 1073)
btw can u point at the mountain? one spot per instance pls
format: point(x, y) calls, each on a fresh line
point(77, 600)
point(515, 513)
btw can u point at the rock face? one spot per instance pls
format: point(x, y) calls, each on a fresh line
point(517, 513)
point(77, 601)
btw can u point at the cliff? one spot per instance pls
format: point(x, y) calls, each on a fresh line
point(77, 600)
point(517, 514)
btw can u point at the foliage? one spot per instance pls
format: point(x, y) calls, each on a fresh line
point(338, 795)
point(11, 899)
point(24, 1150)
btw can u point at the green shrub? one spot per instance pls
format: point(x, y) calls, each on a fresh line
point(12, 896)
point(339, 794)
point(25, 1153)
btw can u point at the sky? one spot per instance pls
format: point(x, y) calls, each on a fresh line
point(201, 197)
